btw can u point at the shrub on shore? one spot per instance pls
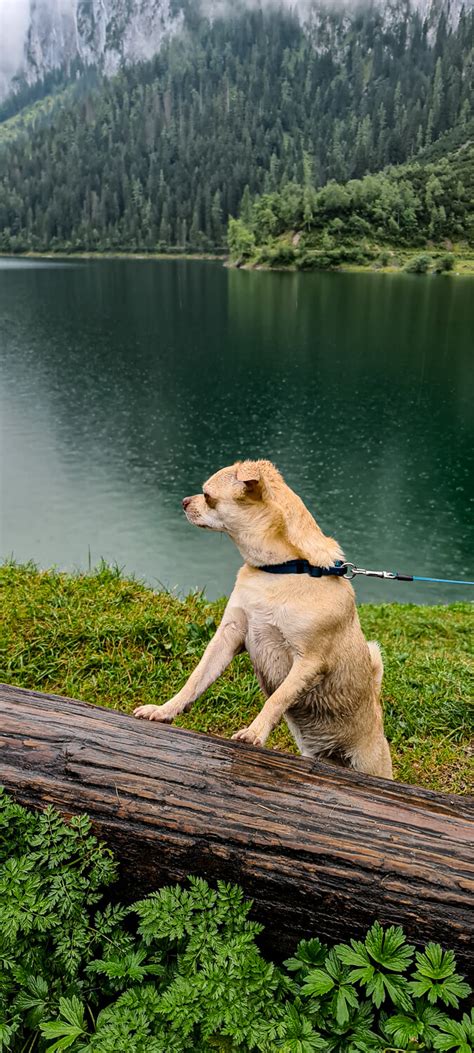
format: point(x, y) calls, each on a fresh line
point(445, 264)
point(419, 264)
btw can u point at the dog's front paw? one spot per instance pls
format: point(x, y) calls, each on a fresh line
point(250, 735)
point(165, 714)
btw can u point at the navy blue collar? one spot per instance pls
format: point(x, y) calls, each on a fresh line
point(302, 566)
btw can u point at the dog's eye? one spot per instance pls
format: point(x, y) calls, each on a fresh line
point(210, 502)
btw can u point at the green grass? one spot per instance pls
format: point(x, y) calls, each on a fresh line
point(114, 642)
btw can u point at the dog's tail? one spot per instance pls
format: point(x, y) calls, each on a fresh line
point(376, 662)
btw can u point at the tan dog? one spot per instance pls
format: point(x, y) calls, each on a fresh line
point(303, 634)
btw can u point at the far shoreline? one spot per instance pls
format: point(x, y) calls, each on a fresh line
point(83, 255)
point(463, 265)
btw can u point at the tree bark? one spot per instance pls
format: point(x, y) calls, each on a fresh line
point(321, 850)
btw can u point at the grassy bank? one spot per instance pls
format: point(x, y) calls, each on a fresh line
point(114, 642)
point(282, 254)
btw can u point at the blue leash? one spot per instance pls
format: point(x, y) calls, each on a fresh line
point(445, 581)
point(401, 577)
point(348, 570)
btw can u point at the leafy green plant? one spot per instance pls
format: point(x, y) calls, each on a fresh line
point(457, 1035)
point(418, 1027)
point(386, 257)
point(436, 977)
point(70, 1026)
point(335, 979)
point(419, 265)
point(378, 963)
point(445, 263)
point(181, 970)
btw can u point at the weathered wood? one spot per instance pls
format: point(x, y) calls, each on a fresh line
point(320, 849)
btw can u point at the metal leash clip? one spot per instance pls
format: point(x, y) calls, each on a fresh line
point(352, 570)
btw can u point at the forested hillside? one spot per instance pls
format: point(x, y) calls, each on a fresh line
point(405, 206)
point(160, 155)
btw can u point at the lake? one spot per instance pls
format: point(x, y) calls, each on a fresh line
point(125, 383)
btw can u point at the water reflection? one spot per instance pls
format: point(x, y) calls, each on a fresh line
point(124, 384)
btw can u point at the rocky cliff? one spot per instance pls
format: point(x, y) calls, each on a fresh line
point(95, 32)
point(51, 34)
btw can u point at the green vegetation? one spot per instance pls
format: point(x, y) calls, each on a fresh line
point(418, 265)
point(160, 155)
point(445, 264)
point(107, 640)
point(181, 971)
point(25, 96)
point(34, 116)
point(375, 221)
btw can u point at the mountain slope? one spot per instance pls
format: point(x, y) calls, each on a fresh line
point(37, 114)
point(361, 221)
point(161, 154)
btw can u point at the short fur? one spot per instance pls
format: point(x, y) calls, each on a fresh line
point(303, 634)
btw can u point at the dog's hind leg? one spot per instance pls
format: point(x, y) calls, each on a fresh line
point(373, 757)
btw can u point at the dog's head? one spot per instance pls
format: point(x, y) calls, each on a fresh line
point(231, 497)
point(251, 502)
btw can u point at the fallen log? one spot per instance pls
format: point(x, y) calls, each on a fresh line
point(320, 849)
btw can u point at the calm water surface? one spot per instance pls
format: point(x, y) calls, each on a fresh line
point(123, 385)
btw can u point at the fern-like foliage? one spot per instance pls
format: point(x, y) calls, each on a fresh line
point(181, 971)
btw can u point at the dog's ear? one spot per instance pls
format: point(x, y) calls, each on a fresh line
point(248, 473)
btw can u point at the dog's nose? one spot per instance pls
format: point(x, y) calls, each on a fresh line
point(186, 501)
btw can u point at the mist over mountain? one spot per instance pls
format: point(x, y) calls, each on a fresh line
point(40, 36)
